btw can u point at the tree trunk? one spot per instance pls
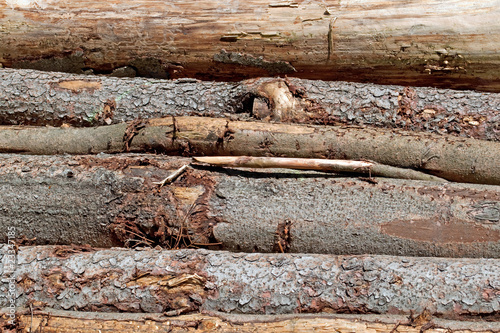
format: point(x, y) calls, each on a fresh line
point(155, 281)
point(58, 321)
point(418, 43)
point(456, 159)
point(111, 200)
point(47, 98)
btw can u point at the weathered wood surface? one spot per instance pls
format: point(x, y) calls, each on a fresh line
point(108, 200)
point(59, 321)
point(448, 157)
point(451, 44)
point(47, 98)
point(156, 281)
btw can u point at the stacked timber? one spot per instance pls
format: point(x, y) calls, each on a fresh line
point(321, 242)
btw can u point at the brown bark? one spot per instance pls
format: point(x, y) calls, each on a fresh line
point(456, 159)
point(48, 98)
point(111, 200)
point(186, 281)
point(53, 321)
point(418, 43)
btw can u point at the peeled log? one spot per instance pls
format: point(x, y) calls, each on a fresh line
point(442, 43)
point(108, 200)
point(47, 98)
point(448, 157)
point(59, 321)
point(156, 281)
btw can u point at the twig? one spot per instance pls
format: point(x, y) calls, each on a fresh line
point(206, 244)
point(137, 243)
point(173, 176)
point(348, 166)
point(179, 235)
point(395, 328)
point(144, 239)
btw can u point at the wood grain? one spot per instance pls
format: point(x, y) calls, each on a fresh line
point(424, 42)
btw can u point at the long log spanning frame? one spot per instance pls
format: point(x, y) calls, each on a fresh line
point(451, 44)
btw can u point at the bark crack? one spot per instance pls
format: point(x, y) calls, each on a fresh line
point(132, 129)
point(283, 238)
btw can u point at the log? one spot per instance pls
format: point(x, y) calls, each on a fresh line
point(59, 321)
point(451, 158)
point(46, 98)
point(187, 281)
point(418, 43)
point(111, 200)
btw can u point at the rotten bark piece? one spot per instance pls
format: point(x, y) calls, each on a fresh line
point(455, 159)
point(417, 43)
point(112, 200)
point(47, 98)
point(339, 166)
point(155, 281)
point(59, 321)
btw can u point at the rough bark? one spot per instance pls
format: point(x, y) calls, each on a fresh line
point(58, 321)
point(155, 281)
point(111, 200)
point(456, 159)
point(46, 98)
point(421, 43)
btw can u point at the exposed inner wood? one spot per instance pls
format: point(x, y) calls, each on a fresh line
point(441, 43)
point(53, 321)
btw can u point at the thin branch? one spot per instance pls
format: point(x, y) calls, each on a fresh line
point(173, 176)
point(342, 166)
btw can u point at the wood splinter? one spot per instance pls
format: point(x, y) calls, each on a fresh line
point(341, 166)
point(173, 176)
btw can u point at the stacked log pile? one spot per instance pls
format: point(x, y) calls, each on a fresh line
point(141, 204)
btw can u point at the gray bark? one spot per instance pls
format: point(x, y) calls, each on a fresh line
point(46, 98)
point(154, 281)
point(443, 111)
point(108, 200)
point(65, 200)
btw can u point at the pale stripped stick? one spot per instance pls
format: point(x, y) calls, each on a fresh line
point(341, 166)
